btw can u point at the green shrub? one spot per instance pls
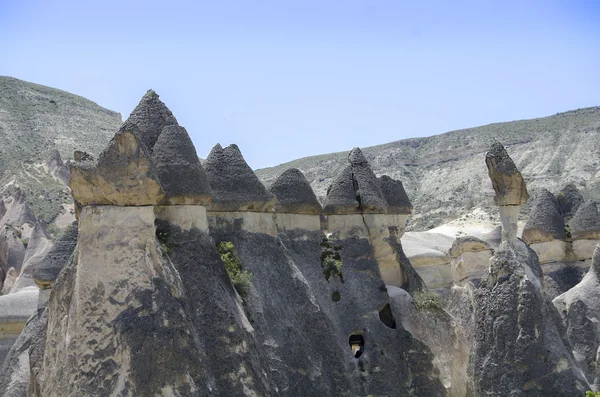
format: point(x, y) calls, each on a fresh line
point(590, 393)
point(427, 300)
point(241, 279)
point(331, 260)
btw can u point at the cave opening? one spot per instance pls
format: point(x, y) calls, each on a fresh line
point(387, 317)
point(357, 344)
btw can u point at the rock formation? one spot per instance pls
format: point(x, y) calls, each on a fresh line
point(469, 258)
point(57, 167)
point(545, 229)
point(356, 189)
point(294, 194)
point(38, 246)
point(569, 198)
point(395, 195)
point(234, 184)
point(509, 186)
point(520, 346)
point(146, 303)
point(580, 310)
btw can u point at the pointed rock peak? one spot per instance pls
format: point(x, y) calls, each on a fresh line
point(150, 116)
point(545, 222)
point(235, 186)
point(294, 194)
point(179, 169)
point(586, 222)
point(356, 157)
point(395, 195)
point(216, 151)
point(40, 230)
point(569, 199)
point(123, 175)
point(506, 179)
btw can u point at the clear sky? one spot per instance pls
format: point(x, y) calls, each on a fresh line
point(287, 79)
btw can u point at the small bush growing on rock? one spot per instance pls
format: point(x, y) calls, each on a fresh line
point(331, 260)
point(590, 393)
point(427, 300)
point(241, 279)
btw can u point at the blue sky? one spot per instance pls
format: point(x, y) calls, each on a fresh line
point(288, 79)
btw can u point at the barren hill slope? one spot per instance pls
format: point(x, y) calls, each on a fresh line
point(36, 120)
point(444, 174)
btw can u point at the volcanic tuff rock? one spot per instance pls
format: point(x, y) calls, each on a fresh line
point(506, 179)
point(545, 222)
point(38, 246)
point(294, 194)
point(580, 311)
point(178, 168)
point(586, 222)
point(150, 116)
point(356, 189)
point(395, 195)
point(235, 186)
point(569, 198)
point(46, 272)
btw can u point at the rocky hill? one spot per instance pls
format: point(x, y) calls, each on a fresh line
point(442, 173)
point(40, 127)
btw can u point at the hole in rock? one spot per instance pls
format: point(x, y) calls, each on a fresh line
point(387, 317)
point(357, 344)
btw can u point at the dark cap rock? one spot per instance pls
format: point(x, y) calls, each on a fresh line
point(545, 222)
point(395, 195)
point(235, 186)
point(356, 189)
point(586, 222)
point(150, 116)
point(294, 194)
point(506, 179)
point(179, 170)
point(569, 200)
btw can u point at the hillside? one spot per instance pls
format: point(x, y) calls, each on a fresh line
point(34, 122)
point(444, 176)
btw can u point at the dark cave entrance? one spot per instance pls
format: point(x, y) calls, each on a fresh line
point(387, 317)
point(357, 344)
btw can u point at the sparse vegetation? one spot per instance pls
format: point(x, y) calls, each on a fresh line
point(590, 393)
point(427, 300)
point(241, 279)
point(331, 260)
point(163, 239)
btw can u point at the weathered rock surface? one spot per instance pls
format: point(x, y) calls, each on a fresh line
point(545, 221)
point(586, 222)
point(569, 198)
point(46, 271)
point(39, 244)
point(178, 168)
point(469, 259)
point(580, 311)
point(520, 346)
point(294, 194)
point(506, 179)
point(234, 184)
point(356, 189)
point(57, 167)
point(149, 117)
point(395, 195)
point(123, 175)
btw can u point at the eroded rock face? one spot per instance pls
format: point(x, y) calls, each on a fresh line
point(520, 346)
point(123, 175)
point(356, 189)
point(569, 200)
point(178, 168)
point(149, 117)
point(469, 259)
point(506, 179)
point(586, 222)
point(545, 221)
point(234, 184)
point(38, 246)
point(579, 308)
point(57, 167)
point(395, 195)
point(294, 194)
point(46, 272)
